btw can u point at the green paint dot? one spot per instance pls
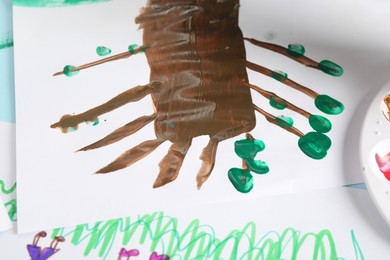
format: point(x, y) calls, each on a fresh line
point(320, 124)
point(93, 122)
point(132, 48)
point(241, 179)
point(279, 75)
point(248, 148)
point(103, 51)
point(328, 105)
point(170, 124)
point(277, 102)
point(315, 145)
point(296, 50)
point(96, 122)
point(72, 129)
point(284, 121)
point(70, 70)
point(257, 166)
point(331, 68)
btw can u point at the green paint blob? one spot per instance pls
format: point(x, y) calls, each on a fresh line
point(279, 75)
point(277, 102)
point(72, 129)
point(296, 50)
point(331, 68)
point(241, 179)
point(248, 148)
point(328, 105)
point(132, 48)
point(257, 166)
point(54, 3)
point(70, 71)
point(284, 121)
point(315, 145)
point(320, 124)
point(96, 122)
point(93, 122)
point(103, 51)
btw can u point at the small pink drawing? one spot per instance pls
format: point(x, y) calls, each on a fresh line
point(127, 253)
point(135, 252)
point(155, 256)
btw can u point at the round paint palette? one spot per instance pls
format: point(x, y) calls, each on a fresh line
point(375, 150)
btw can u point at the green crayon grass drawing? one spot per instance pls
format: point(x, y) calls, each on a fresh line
point(11, 204)
point(195, 240)
point(199, 241)
point(6, 191)
point(189, 89)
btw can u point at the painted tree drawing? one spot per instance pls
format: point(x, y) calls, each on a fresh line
point(199, 86)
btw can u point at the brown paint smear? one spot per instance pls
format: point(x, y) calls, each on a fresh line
point(199, 85)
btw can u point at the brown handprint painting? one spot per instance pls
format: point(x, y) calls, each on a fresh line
point(199, 86)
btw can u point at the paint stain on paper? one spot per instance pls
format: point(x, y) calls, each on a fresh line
point(54, 3)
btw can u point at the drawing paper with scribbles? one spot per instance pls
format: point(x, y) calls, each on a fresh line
point(129, 106)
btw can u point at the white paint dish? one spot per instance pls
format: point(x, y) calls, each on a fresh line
point(375, 151)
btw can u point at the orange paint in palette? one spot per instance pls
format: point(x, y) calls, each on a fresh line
point(386, 108)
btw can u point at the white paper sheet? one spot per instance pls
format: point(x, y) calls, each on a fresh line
point(53, 175)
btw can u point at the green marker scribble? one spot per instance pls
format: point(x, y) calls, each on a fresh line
point(6, 40)
point(4, 190)
point(54, 3)
point(356, 247)
point(198, 241)
point(12, 210)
